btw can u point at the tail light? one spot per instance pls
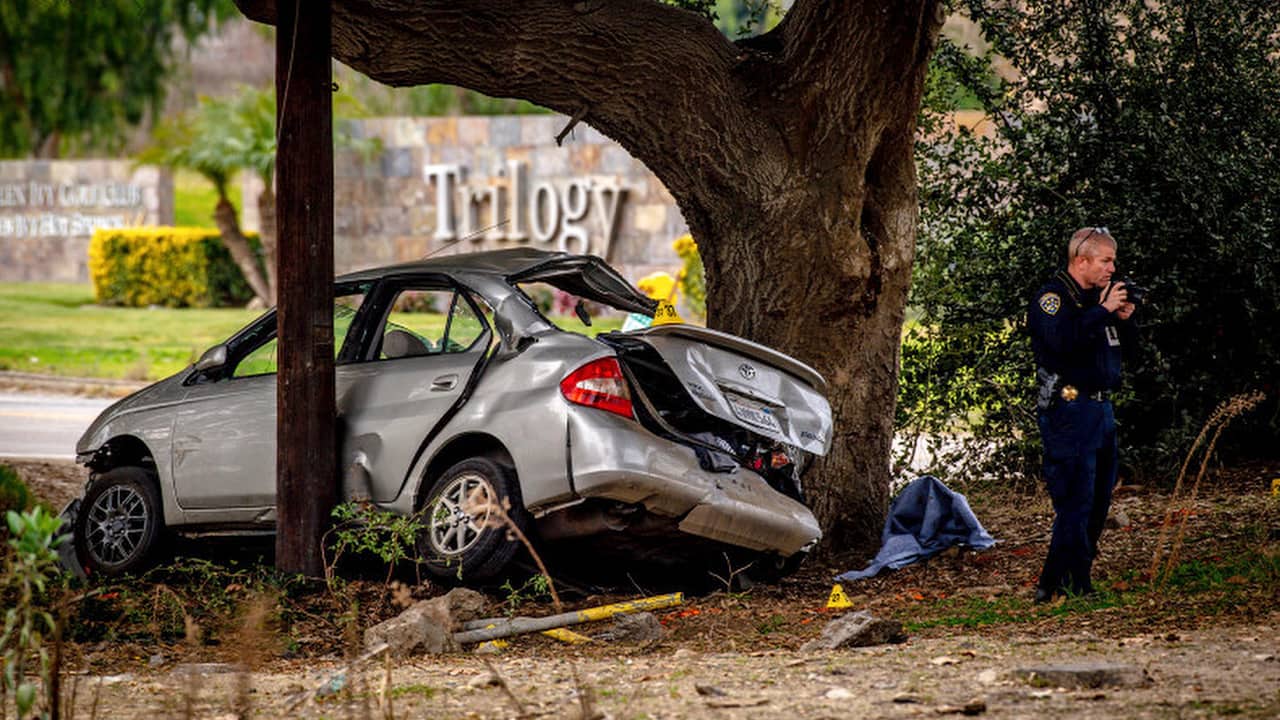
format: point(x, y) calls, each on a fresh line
point(599, 384)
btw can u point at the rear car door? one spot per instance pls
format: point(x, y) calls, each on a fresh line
point(429, 342)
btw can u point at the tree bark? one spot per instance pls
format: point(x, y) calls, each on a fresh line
point(267, 234)
point(224, 216)
point(790, 155)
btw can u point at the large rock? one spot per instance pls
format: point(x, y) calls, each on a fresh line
point(637, 628)
point(428, 625)
point(1085, 675)
point(857, 629)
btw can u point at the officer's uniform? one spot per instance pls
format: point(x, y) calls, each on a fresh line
point(1079, 341)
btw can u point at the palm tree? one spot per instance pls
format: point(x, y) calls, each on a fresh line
point(212, 142)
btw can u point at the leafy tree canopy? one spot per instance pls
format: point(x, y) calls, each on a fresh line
point(1157, 120)
point(75, 75)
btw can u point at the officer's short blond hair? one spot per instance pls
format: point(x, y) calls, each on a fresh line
point(1083, 240)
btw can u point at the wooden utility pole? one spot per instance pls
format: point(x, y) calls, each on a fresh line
point(306, 464)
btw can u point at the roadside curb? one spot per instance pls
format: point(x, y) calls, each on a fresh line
point(91, 387)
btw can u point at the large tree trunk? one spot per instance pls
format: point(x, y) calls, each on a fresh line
point(224, 216)
point(790, 155)
point(267, 233)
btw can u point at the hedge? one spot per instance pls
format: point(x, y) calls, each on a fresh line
point(169, 266)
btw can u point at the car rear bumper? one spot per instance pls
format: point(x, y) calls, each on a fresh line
point(615, 458)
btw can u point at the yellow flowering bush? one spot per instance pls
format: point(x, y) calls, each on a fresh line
point(169, 266)
point(693, 282)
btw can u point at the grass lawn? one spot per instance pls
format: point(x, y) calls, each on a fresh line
point(55, 328)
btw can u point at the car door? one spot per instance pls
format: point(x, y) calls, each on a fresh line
point(432, 338)
point(224, 441)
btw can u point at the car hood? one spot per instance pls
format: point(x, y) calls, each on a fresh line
point(115, 418)
point(746, 383)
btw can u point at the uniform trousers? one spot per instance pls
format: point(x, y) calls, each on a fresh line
point(1080, 465)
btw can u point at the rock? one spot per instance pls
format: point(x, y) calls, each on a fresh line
point(988, 677)
point(906, 699)
point(943, 660)
point(857, 629)
point(428, 625)
point(1085, 675)
point(1117, 519)
point(156, 660)
point(638, 628)
point(976, 706)
point(484, 680)
point(709, 690)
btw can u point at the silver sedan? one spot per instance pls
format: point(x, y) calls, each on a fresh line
point(454, 384)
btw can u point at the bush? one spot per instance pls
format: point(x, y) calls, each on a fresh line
point(693, 281)
point(14, 494)
point(169, 266)
point(1142, 117)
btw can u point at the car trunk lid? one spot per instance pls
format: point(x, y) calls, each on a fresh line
point(746, 384)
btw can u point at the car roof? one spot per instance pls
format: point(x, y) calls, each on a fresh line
point(502, 263)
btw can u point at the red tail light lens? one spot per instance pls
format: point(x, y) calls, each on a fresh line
point(599, 384)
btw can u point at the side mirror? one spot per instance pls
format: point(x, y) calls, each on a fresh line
point(213, 358)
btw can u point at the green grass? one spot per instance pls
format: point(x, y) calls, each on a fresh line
point(194, 199)
point(55, 329)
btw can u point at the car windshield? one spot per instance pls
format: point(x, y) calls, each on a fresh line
point(558, 307)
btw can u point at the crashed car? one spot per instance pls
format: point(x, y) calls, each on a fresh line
point(452, 384)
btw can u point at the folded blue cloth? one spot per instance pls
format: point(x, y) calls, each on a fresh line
point(926, 518)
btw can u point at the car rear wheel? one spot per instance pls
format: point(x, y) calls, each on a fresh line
point(466, 534)
point(119, 522)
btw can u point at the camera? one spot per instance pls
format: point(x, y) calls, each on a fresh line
point(1137, 293)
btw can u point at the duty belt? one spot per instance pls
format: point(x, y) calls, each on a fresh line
point(1071, 392)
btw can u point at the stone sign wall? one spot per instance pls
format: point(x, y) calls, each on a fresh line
point(460, 184)
point(50, 208)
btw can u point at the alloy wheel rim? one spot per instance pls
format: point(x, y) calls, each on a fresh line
point(460, 514)
point(116, 525)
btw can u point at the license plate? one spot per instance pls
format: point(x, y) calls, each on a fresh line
point(753, 413)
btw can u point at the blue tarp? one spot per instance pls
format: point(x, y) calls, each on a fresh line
point(926, 518)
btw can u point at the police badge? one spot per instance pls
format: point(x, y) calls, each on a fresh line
point(1050, 303)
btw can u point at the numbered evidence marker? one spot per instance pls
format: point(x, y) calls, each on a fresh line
point(666, 314)
point(838, 599)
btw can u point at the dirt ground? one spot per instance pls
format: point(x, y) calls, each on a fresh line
point(1205, 644)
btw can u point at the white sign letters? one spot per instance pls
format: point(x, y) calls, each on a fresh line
point(542, 214)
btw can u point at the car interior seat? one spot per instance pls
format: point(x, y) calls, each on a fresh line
point(399, 343)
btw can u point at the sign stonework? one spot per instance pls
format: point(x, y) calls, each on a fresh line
point(49, 210)
point(460, 184)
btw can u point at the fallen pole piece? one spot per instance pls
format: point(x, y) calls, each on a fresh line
point(493, 628)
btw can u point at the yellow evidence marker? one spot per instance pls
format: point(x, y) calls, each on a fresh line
point(666, 314)
point(838, 599)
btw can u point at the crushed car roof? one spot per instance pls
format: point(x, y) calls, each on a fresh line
point(502, 263)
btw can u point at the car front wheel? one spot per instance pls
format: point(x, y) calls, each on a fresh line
point(466, 534)
point(119, 522)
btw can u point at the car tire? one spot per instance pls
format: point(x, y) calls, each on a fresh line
point(119, 522)
point(469, 544)
point(770, 569)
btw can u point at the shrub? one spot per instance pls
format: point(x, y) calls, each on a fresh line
point(14, 494)
point(169, 266)
point(693, 281)
point(1139, 116)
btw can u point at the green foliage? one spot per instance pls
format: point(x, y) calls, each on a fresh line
point(362, 527)
point(1139, 116)
point(534, 588)
point(32, 544)
point(14, 494)
point(170, 267)
point(75, 76)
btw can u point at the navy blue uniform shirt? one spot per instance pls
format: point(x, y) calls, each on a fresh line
point(1075, 337)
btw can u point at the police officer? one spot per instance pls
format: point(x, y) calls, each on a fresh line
point(1079, 321)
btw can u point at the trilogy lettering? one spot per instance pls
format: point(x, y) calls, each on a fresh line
point(542, 214)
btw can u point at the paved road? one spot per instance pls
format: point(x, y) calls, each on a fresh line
point(44, 426)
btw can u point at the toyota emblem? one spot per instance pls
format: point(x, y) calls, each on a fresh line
point(747, 371)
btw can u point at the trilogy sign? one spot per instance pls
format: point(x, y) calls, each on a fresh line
point(518, 213)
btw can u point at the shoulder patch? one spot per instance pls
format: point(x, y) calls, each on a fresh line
point(1050, 303)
